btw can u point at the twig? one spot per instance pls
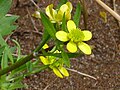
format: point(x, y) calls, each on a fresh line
point(81, 73)
point(35, 4)
point(85, 13)
point(115, 11)
point(108, 9)
point(32, 19)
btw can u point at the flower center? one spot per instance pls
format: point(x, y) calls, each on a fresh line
point(76, 35)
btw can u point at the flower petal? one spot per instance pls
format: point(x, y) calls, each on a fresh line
point(71, 25)
point(87, 35)
point(63, 71)
point(68, 15)
point(62, 36)
point(58, 16)
point(63, 9)
point(50, 11)
point(85, 48)
point(44, 60)
point(69, 6)
point(45, 46)
point(56, 71)
point(71, 47)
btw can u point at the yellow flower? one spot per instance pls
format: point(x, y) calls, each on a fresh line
point(75, 37)
point(57, 15)
point(57, 68)
point(61, 72)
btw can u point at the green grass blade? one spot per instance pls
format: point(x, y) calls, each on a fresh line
point(77, 14)
point(48, 25)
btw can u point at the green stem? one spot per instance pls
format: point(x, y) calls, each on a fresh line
point(16, 65)
point(24, 60)
point(85, 13)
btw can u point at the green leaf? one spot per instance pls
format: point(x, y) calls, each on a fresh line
point(18, 49)
point(45, 34)
point(4, 7)
point(37, 70)
point(8, 52)
point(64, 27)
point(70, 55)
point(61, 2)
point(45, 38)
point(8, 19)
point(66, 59)
point(6, 26)
point(77, 14)
point(41, 68)
point(2, 49)
point(18, 70)
point(2, 41)
point(29, 66)
point(4, 62)
point(48, 25)
point(16, 85)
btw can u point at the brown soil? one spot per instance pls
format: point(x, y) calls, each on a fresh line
point(104, 63)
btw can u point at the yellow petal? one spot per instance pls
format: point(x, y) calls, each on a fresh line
point(69, 6)
point(56, 71)
point(85, 48)
point(62, 36)
point(59, 16)
point(50, 11)
point(68, 15)
point(63, 8)
point(44, 60)
point(87, 35)
point(63, 71)
point(71, 25)
point(71, 47)
point(45, 46)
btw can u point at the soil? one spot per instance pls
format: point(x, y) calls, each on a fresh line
point(103, 64)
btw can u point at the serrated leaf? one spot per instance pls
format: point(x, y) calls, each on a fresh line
point(76, 17)
point(4, 7)
point(48, 25)
point(6, 26)
point(8, 19)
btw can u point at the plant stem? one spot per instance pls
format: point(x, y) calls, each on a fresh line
point(16, 65)
point(85, 13)
point(24, 60)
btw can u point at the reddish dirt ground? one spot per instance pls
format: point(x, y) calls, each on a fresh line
point(104, 63)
